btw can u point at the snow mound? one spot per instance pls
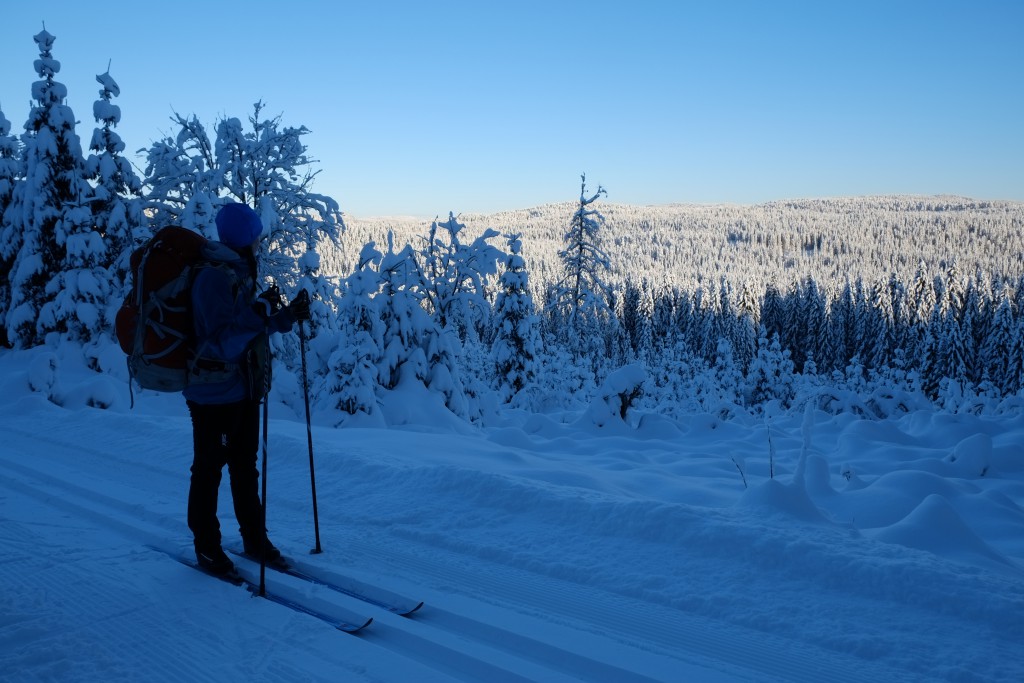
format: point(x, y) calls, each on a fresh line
point(788, 500)
point(934, 526)
point(971, 457)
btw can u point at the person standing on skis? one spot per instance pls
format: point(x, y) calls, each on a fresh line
point(231, 325)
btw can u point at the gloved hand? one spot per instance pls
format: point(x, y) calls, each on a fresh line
point(299, 307)
point(269, 302)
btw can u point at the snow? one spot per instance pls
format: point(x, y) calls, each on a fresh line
point(546, 547)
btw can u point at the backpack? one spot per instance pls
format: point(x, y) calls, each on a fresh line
point(154, 324)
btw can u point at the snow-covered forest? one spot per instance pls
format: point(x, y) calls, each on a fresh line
point(873, 305)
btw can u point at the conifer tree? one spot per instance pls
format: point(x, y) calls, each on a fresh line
point(583, 294)
point(117, 204)
point(921, 303)
point(770, 376)
point(1014, 383)
point(516, 338)
point(415, 347)
point(404, 320)
point(52, 206)
point(878, 333)
point(702, 333)
point(814, 324)
point(11, 173)
point(352, 379)
point(456, 275)
point(630, 314)
point(728, 377)
point(643, 344)
point(771, 310)
point(994, 358)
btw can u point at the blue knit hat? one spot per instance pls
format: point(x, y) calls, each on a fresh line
point(238, 226)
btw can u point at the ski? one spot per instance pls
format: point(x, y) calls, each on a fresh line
point(237, 578)
point(345, 585)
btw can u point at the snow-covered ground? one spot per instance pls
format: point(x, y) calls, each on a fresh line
point(545, 548)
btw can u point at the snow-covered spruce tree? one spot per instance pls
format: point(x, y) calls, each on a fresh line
point(746, 324)
point(669, 315)
point(353, 372)
point(51, 207)
point(830, 349)
point(813, 325)
point(771, 310)
point(879, 335)
point(727, 376)
point(11, 173)
point(770, 376)
point(92, 282)
point(994, 360)
point(456, 275)
point(701, 337)
point(516, 333)
point(638, 319)
point(583, 294)
point(1014, 383)
point(116, 204)
point(975, 321)
point(403, 317)
point(415, 346)
point(920, 306)
point(900, 317)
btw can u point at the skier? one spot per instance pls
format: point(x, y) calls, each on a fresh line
point(231, 328)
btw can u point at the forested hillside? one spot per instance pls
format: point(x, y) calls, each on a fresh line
point(831, 240)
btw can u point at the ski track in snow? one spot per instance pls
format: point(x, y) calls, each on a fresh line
point(496, 654)
point(703, 601)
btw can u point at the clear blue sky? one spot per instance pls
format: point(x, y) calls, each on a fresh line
point(421, 108)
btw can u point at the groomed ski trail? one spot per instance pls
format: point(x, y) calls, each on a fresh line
point(440, 644)
point(483, 621)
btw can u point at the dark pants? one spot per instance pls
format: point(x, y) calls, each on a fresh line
point(225, 434)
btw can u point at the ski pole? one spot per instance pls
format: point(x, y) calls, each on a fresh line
point(309, 434)
point(266, 414)
point(262, 552)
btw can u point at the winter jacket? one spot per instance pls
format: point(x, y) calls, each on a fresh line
point(228, 322)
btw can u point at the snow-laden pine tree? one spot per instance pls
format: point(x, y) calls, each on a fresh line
point(770, 376)
point(920, 306)
point(116, 204)
point(813, 325)
point(746, 325)
point(701, 331)
point(11, 173)
point(583, 293)
point(403, 317)
point(880, 328)
point(638, 320)
point(1014, 383)
point(727, 376)
point(91, 282)
point(516, 328)
point(353, 366)
point(51, 208)
point(415, 346)
point(994, 359)
point(456, 275)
